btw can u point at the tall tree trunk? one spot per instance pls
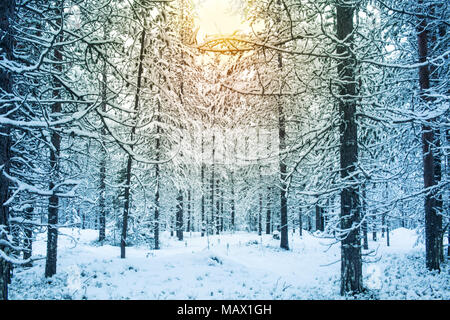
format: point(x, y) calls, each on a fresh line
point(388, 241)
point(53, 202)
point(433, 220)
point(202, 174)
point(188, 209)
point(232, 186)
point(179, 217)
point(156, 217)
point(157, 177)
point(319, 218)
point(221, 210)
point(102, 207)
point(260, 196)
point(7, 15)
point(364, 217)
point(351, 262)
point(217, 220)
point(447, 137)
point(28, 242)
point(438, 35)
point(284, 242)
point(233, 205)
point(300, 221)
point(212, 182)
point(374, 228)
point(268, 212)
point(127, 206)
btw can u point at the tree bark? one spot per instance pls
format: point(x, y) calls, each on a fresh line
point(157, 177)
point(319, 218)
point(28, 241)
point(179, 217)
point(202, 174)
point(7, 15)
point(233, 205)
point(351, 262)
point(53, 202)
point(102, 207)
point(268, 212)
point(300, 221)
point(217, 221)
point(284, 242)
point(126, 207)
point(189, 216)
point(260, 196)
point(212, 182)
point(433, 220)
point(363, 214)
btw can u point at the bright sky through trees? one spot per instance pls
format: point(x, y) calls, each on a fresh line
point(219, 17)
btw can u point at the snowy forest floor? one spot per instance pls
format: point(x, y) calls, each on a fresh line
point(237, 266)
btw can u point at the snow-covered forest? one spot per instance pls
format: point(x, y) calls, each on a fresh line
point(224, 149)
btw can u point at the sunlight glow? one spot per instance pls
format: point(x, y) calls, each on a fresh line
point(219, 17)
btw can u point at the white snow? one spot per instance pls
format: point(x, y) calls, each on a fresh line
point(236, 266)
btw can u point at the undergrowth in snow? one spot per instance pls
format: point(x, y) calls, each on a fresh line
point(236, 266)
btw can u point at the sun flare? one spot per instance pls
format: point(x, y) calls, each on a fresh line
point(219, 17)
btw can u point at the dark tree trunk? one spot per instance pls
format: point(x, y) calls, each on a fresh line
point(374, 227)
point(260, 196)
point(222, 226)
point(363, 215)
point(127, 202)
point(438, 36)
point(448, 242)
point(53, 205)
point(28, 241)
point(7, 15)
point(126, 208)
point(157, 177)
point(319, 218)
point(300, 221)
point(365, 235)
point(388, 242)
point(179, 217)
point(284, 242)
point(212, 182)
point(232, 186)
point(188, 209)
point(53, 202)
point(260, 215)
point(351, 262)
point(156, 225)
point(433, 221)
point(217, 220)
point(102, 206)
point(202, 174)
point(233, 205)
point(268, 212)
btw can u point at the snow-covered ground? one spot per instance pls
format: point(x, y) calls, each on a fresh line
point(236, 266)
